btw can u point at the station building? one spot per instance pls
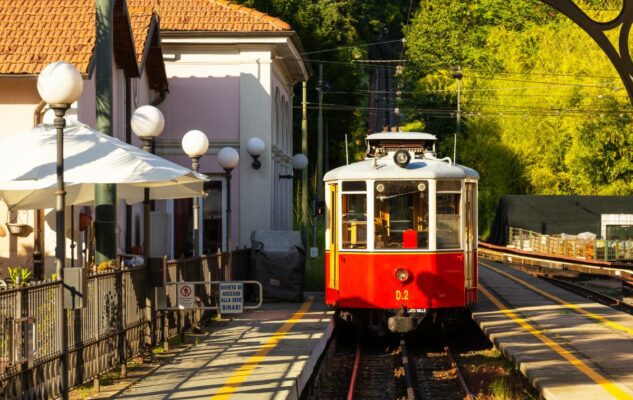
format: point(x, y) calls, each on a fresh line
point(210, 65)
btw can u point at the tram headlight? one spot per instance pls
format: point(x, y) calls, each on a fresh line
point(402, 275)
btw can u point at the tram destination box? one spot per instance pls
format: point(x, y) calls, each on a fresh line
point(278, 263)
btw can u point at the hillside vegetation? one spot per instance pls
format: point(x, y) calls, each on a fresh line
point(543, 110)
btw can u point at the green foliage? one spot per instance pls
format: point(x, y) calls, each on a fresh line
point(543, 110)
point(19, 276)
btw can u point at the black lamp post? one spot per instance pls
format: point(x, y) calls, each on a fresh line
point(147, 123)
point(195, 144)
point(299, 163)
point(228, 158)
point(60, 84)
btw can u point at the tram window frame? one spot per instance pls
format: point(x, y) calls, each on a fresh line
point(389, 234)
point(446, 236)
point(353, 230)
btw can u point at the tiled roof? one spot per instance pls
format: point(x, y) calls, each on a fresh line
point(35, 33)
point(215, 16)
point(140, 18)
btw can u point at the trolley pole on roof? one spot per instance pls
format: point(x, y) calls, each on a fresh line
point(457, 74)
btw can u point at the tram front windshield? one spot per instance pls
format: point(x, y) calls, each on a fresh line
point(401, 215)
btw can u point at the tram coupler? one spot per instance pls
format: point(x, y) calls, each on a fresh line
point(401, 324)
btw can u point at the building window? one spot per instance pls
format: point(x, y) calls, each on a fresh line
point(212, 214)
point(183, 233)
point(401, 215)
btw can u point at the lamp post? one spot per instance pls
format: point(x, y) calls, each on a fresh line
point(299, 163)
point(228, 158)
point(60, 84)
point(195, 144)
point(147, 122)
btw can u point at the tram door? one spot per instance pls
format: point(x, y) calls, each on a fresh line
point(470, 261)
point(333, 217)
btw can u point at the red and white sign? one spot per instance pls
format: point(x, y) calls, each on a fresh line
point(186, 296)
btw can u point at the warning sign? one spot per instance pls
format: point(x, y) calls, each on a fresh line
point(231, 297)
point(186, 296)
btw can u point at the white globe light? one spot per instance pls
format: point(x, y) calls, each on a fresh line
point(195, 143)
point(299, 161)
point(255, 146)
point(60, 83)
point(147, 121)
point(228, 158)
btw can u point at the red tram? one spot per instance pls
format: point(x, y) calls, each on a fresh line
point(401, 233)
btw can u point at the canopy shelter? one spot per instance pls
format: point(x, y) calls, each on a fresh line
point(28, 176)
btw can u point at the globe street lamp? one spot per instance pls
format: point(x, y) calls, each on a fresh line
point(147, 123)
point(228, 158)
point(60, 84)
point(299, 163)
point(195, 144)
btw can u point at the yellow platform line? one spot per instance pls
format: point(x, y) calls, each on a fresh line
point(239, 376)
point(609, 386)
point(605, 321)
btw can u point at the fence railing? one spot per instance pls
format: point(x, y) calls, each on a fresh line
point(116, 324)
point(559, 245)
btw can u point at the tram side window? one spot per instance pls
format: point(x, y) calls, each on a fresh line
point(448, 214)
point(401, 215)
point(354, 216)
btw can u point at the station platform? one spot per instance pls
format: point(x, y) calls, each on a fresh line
point(268, 353)
point(569, 347)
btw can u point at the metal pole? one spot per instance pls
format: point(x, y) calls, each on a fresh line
point(319, 182)
point(105, 194)
point(195, 164)
point(228, 220)
point(457, 74)
point(147, 146)
point(60, 228)
point(304, 150)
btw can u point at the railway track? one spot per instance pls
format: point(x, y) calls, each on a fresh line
point(407, 372)
point(389, 369)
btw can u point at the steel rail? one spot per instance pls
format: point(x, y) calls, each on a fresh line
point(467, 394)
point(591, 294)
point(353, 380)
point(408, 376)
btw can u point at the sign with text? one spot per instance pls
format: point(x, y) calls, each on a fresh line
point(231, 298)
point(186, 296)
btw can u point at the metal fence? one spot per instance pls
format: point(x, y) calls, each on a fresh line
point(115, 324)
point(559, 245)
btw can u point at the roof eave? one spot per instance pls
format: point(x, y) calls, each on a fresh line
point(293, 56)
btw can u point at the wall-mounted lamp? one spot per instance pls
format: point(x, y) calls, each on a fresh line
point(255, 147)
point(299, 163)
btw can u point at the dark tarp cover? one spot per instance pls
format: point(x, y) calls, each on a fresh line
point(278, 263)
point(552, 215)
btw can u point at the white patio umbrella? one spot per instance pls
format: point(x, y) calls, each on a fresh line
point(28, 176)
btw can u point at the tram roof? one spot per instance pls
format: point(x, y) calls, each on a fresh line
point(401, 136)
point(418, 168)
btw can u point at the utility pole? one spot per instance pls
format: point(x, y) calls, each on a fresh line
point(304, 150)
point(457, 74)
point(320, 137)
point(105, 194)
